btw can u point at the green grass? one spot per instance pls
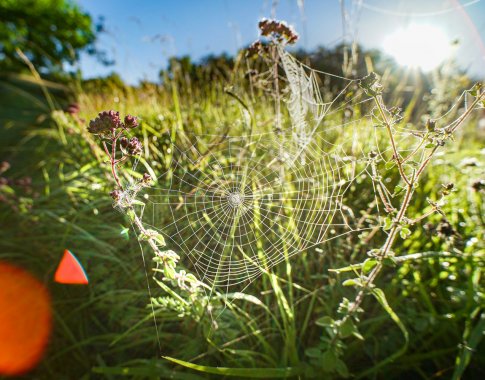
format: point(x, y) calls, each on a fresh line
point(106, 330)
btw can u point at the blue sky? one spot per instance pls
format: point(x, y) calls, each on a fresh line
point(142, 34)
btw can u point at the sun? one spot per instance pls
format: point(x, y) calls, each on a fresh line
point(420, 46)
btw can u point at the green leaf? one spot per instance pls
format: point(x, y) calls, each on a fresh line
point(358, 335)
point(389, 165)
point(154, 235)
point(169, 272)
point(476, 89)
point(368, 265)
point(388, 222)
point(131, 214)
point(325, 321)
point(429, 146)
point(329, 361)
point(137, 202)
point(160, 240)
point(352, 282)
point(398, 190)
point(389, 262)
point(341, 368)
point(347, 328)
point(313, 352)
point(404, 232)
point(257, 373)
point(348, 268)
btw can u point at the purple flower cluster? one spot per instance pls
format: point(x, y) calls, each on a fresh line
point(109, 121)
point(131, 146)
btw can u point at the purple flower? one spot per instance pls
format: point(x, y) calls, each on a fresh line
point(131, 121)
point(106, 122)
point(134, 147)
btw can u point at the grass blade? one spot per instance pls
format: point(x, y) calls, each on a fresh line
point(257, 373)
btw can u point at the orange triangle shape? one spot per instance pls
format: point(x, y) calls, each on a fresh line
point(70, 270)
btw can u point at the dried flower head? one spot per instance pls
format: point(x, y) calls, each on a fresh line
point(373, 154)
point(445, 229)
point(106, 122)
point(116, 195)
point(256, 48)
point(279, 30)
point(447, 188)
point(478, 185)
point(370, 84)
point(430, 125)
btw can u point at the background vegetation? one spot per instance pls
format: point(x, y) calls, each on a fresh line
point(54, 195)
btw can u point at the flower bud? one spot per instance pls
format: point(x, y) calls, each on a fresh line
point(131, 121)
point(123, 142)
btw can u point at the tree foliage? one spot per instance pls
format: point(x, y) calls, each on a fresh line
point(48, 32)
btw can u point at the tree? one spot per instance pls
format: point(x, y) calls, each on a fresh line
point(48, 32)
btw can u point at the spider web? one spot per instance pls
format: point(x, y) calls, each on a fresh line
point(234, 215)
point(236, 206)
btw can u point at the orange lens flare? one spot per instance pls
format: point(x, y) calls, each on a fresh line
point(25, 320)
point(70, 270)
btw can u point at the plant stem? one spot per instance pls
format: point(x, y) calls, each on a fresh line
point(378, 101)
point(113, 161)
point(386, 248)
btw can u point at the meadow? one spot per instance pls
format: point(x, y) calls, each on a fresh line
point(372, 269)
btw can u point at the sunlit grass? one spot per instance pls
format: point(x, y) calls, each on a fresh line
point(98, 326)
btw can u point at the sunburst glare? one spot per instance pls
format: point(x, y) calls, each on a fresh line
point(421, 46)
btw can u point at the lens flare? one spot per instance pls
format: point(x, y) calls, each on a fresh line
point(422, 46)
point(25, 320)
point(70, 270)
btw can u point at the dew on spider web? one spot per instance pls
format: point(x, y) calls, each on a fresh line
point(235, 215)
point(244, 204)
